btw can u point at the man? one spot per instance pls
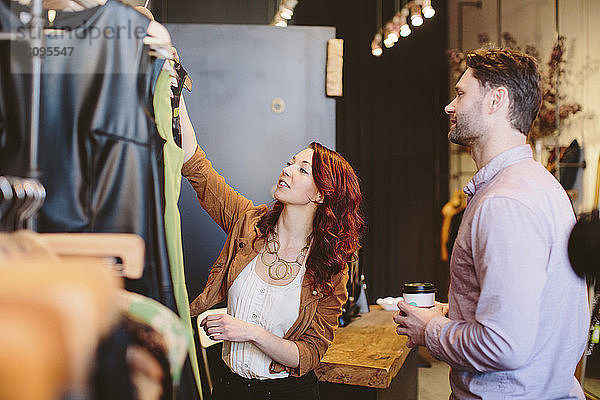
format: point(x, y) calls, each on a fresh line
point(518, 315)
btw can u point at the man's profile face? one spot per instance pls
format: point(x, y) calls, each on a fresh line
point(466, 111)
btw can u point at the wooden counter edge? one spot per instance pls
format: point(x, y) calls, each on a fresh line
point(360, 375)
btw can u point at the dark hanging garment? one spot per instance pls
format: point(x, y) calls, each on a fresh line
point(100, 155)
point(176, 91)
point(453, 234)
point(15, 98)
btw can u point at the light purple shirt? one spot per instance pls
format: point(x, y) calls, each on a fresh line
point(518, 316)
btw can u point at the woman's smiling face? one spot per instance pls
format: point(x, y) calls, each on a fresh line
point(296, 185)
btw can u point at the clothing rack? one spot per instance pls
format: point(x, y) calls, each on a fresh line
point(29, 194)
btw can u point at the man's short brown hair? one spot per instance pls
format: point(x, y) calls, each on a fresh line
point(516, 71)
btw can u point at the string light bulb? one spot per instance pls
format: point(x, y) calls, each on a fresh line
point(400, 26)
point(392, 32)
point(285, 13)
point(405, 30)
point(391, 37)
point(376, 49)
point(416, 19)
point(427, 10)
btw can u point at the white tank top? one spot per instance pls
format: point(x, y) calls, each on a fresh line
point(275, 308)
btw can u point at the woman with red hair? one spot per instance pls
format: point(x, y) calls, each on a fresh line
point(282, 269)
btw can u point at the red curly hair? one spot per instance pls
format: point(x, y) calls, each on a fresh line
point(338, 222)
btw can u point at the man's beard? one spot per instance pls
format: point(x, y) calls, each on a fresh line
point(469, 127)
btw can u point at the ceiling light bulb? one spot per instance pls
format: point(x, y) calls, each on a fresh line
point(428, 12)
point(376, 49)
point(415, 16)
point(405, 30)
point(286, 13)
point(393, 36)
point(416, 20)
point(388, 42)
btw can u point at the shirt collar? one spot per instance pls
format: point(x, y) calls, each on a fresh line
point(497, 164)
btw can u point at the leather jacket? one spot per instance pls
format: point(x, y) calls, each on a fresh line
point(100, 154)
point(313, 331)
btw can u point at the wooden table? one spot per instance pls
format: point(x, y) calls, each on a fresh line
point(368, 360)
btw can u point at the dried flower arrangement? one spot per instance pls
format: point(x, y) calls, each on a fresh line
point(545, 124)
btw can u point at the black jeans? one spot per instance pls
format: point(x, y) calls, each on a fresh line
point(232, 386)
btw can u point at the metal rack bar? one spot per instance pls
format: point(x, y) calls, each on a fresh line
point(37, 40)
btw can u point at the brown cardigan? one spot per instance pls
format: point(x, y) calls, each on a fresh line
point(238, 217)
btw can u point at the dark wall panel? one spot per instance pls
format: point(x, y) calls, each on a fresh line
point(246, 12)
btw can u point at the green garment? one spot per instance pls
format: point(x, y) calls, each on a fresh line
point(173, 161)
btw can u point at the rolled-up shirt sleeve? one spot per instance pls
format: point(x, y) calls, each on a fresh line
point(511, 248)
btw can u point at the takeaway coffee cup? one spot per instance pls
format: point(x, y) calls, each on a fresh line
point(420, 294)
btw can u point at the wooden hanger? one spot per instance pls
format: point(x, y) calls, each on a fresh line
point(70, 5)
point(124, 251)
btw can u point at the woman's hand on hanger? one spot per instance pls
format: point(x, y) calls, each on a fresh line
point(159, 40)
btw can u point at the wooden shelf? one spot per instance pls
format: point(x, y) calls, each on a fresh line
point(367, 352)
